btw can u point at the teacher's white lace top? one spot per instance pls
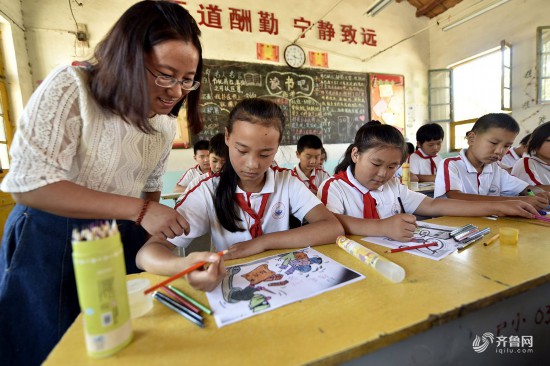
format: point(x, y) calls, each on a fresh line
point(64, 135)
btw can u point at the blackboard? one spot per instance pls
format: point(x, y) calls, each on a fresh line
point(329, 104)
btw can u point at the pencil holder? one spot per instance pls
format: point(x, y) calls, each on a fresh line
point(101, 284)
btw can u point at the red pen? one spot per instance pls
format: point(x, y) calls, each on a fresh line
point(410, 247)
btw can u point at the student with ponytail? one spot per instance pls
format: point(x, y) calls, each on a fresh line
point(246, 206)
point(369, 200)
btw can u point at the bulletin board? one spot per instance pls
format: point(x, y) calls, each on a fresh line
point(387, 99)
point(327, 103)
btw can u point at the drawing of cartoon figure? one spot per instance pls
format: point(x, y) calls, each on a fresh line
point(259, 274)
point(298, 261)
point(259, 302)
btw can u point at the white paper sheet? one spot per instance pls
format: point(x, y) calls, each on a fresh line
point(269, 283)
point(426, 233)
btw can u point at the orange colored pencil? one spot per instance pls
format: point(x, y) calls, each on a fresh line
point(178, 275)
point(410, 247)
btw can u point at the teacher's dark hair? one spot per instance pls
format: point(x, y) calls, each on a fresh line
point(255, 111)
point(118, 79)
point(371, 137)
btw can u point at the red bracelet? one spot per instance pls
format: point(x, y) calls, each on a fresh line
point(142, 213)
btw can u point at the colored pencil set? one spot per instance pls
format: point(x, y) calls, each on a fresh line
point(468, 234)
point(174, 299)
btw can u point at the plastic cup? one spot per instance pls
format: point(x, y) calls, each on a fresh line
point(140, 303)
point(508, 235)
point(414, 186)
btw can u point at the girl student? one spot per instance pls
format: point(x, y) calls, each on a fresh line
point(91, 144)
point(246, 206)
point(535, 169)
point(364, 189)
point(474, 175)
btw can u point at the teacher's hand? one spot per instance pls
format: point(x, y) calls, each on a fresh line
point(164, 221)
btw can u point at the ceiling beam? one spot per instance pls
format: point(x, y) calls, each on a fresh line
point(429, 7)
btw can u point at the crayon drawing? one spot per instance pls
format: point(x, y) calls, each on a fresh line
point(266, 284)
point(425, 233)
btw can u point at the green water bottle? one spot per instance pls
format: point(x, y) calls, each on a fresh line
point(100, 274)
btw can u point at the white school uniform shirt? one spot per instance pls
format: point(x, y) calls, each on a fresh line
point(532, 170)
point(288, 195)
point(458, 174)
point(313, 182)
point(342, 198)
point(421, 163)
point(189, 175)
point(509, 159)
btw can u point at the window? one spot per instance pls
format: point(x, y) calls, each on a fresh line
point(440, 95)
point(473, 87)
point(458, 134)
point(543, 64)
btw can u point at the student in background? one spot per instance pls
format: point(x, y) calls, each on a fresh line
point(217, 154)
point(475, 175)
point(364, 190)
point(535, 169)
point(309, 149)
point(514, 154)
point(92, 144)
point(200, 154)
point(424, 161)
point(323, 159)
point(246, 208)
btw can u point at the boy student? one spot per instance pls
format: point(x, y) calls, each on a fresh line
point(246, 207)
point(309, 149)
point(323, 159)
point(364, 190)
point(474, 175)
point(425, 159)
point(200, 151)
point(514, 154)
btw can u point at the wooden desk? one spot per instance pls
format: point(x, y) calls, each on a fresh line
point(345, 323)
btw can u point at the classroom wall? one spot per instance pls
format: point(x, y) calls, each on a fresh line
point(515, 22)
point(406, 45)
point(50, 43)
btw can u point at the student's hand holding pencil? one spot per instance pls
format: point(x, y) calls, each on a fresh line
point(399, 227)
point(514, 208)
point(207, 278)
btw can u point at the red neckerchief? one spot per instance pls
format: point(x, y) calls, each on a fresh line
point(369, 204)
point(256, 228)
point(433, 167)
point(312, 185)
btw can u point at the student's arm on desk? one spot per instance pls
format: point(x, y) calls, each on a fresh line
point(454, 207)
point(323, 228)
point(425, 178)
point(540, 201)
point(157, 256)
point(68, 199)
point(399, 227)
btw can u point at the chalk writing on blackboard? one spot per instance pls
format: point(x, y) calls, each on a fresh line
point(326, 103)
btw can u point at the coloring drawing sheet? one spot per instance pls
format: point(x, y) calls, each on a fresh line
point(256, 287)
point(425, 233)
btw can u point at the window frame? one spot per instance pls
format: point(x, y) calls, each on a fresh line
point(540, 54)
point(453, 126)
